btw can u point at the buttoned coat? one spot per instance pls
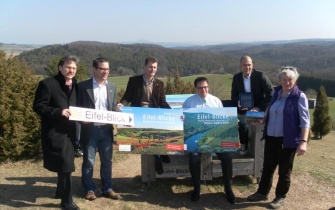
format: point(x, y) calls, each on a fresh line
point(134, 91)
point(58, 133)
point(85, 99)
point(261, 89)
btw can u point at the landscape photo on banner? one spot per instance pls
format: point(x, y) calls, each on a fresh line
point(155, 131)
point(211, 129)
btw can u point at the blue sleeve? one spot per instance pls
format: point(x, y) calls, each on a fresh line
point(303, 111)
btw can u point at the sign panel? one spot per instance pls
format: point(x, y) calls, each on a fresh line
point(211, 129)
point(176, 101)
point(154, 131)
point(99, 116)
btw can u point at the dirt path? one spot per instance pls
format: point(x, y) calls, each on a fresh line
point(26, 185)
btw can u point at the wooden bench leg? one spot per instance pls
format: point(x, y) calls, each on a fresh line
point(148, 168)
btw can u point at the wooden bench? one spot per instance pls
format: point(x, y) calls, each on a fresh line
point(251, 164)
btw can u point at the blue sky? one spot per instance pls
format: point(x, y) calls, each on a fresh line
point(178, 21)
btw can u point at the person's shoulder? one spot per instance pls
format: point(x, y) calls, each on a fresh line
point(112, 85)
point(49, 80)
point(213, 97)
point(238, 74)
point(85, 82)
point(259, 73)
point(136, 77)
point(189, 99)
point(158, 81)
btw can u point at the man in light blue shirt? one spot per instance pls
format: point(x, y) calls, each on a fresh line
point(203, 99)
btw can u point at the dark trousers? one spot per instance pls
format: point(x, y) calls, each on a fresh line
point(64, 186)
point(226, 165)
point(243, 133)
point(275, 155)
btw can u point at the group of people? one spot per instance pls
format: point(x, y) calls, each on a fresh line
point(285, 133)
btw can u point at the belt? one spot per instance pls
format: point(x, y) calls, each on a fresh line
point(101, 126)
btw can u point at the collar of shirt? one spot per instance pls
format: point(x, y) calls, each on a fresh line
point(95, 83)
point(247, 77)
point(148, 82)
point(69, 83)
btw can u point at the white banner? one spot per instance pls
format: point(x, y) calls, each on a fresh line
point(99, 116)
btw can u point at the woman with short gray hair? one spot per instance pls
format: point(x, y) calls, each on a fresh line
point(286, 130)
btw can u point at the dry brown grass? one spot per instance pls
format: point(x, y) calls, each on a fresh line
point(26, 185)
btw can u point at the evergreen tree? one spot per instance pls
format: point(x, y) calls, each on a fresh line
point(178, 86)
point(322, 121)
point(169, 88)
point(19, 125)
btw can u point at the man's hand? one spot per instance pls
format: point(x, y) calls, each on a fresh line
point(66, 113)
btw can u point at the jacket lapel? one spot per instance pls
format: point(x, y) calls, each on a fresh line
point(89, 89)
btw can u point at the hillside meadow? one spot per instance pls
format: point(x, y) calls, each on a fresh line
point(220, 84)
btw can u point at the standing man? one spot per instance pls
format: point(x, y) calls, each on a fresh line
point(147, 91)
point(53, 97)
point(202, 99)
point(97, 93)
point(256, 82)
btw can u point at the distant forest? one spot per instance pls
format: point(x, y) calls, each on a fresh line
point(314, 59)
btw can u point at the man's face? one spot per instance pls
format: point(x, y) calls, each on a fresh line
point(101, 72)
point(68, 70)
point(246, 66)
point(202, 89)
point(150, 69)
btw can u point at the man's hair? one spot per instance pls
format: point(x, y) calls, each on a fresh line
point(200, 79)
point(245, 57)
point(99, 60)
point(150, 60)
point(67, 59)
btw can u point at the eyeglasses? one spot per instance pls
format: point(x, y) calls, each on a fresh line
point(102, 69)
point(204, 87)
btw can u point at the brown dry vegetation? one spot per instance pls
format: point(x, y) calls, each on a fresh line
point(26, 185)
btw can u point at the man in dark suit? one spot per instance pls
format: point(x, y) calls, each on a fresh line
point(97, 93)
point(53, 97)
point(256, 82)
point(147, 91)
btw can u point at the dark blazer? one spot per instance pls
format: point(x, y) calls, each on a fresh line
point(133, 94)
point(261, 89)
point(85, 99)
point(58, 133)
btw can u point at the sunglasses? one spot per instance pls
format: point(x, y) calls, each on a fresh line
point(289, 68)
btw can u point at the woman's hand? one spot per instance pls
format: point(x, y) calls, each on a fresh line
point(302, 148)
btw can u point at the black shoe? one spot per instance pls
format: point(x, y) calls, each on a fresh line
point(230, 196)
point(58, 194)
point(71, 206)
point(195, 195)
point(159, 168)
point(165, 159)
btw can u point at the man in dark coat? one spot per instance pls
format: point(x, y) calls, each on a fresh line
point(147, 91)
point(256, 82)
point(53, 97)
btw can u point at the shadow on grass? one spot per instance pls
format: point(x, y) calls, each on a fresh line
point(163, 193)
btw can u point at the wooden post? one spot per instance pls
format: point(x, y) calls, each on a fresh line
point(148, 168)
point(257, 149)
